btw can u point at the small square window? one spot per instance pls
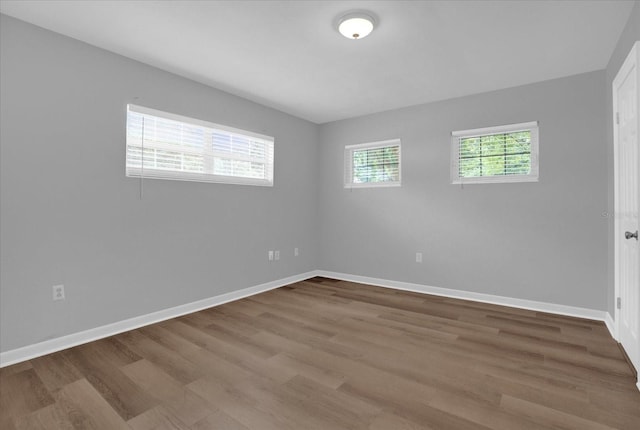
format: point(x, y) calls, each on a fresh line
point(506, 153)
point(375, 164)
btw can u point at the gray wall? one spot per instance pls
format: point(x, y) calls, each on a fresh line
point(629, 36)
point(542, 241)
point(69, 215)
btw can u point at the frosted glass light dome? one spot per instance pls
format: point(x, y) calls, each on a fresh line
point(356, 25)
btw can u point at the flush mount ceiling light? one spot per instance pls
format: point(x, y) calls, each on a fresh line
point(356, 25)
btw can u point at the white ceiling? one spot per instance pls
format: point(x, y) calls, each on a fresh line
point(288, 54)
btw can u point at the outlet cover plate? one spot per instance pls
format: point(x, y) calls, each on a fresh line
point(58, 292)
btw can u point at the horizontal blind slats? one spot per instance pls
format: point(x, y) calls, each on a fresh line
point(179, 150)
point(497, 154)
point(373, 163)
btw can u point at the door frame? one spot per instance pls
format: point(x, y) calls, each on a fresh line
point(633, 58)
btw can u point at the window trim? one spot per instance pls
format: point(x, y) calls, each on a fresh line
point(348, 164)
point(533, 175)
point(146, 173)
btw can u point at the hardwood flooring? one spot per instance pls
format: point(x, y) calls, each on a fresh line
point(326, 354)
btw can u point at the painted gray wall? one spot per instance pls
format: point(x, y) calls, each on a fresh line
point(543, 241)
point(69, 215)
point(629, 36)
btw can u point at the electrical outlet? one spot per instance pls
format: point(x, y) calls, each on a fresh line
point(270, 255)
point(418, 257)
point(296, 252)
point(277, 255)
point(58, 292)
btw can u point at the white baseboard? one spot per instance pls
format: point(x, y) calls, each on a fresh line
point(613, 330)
point(553, 308)
point(53, 345)
point(611, 325)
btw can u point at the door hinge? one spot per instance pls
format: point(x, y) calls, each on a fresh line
point(618, 118)
point(619, 303)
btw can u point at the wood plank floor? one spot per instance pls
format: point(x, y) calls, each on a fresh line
point(326, 354)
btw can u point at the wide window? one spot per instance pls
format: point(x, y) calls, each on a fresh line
point(162, 145)
point(495, 154)
point(372, 164)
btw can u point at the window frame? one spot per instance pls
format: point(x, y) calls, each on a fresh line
point(348, 164)
point(532, 176)
point(206, 177)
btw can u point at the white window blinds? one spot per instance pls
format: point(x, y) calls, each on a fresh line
point(495, 154)
point(162, 145)
point(373, 164)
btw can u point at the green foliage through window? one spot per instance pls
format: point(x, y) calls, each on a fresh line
point(376, 165)
point(373, 164)
point(499, 154)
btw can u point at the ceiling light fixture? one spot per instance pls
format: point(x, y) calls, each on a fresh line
point(356, 25)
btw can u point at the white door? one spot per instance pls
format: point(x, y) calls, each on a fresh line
point(626, 95)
